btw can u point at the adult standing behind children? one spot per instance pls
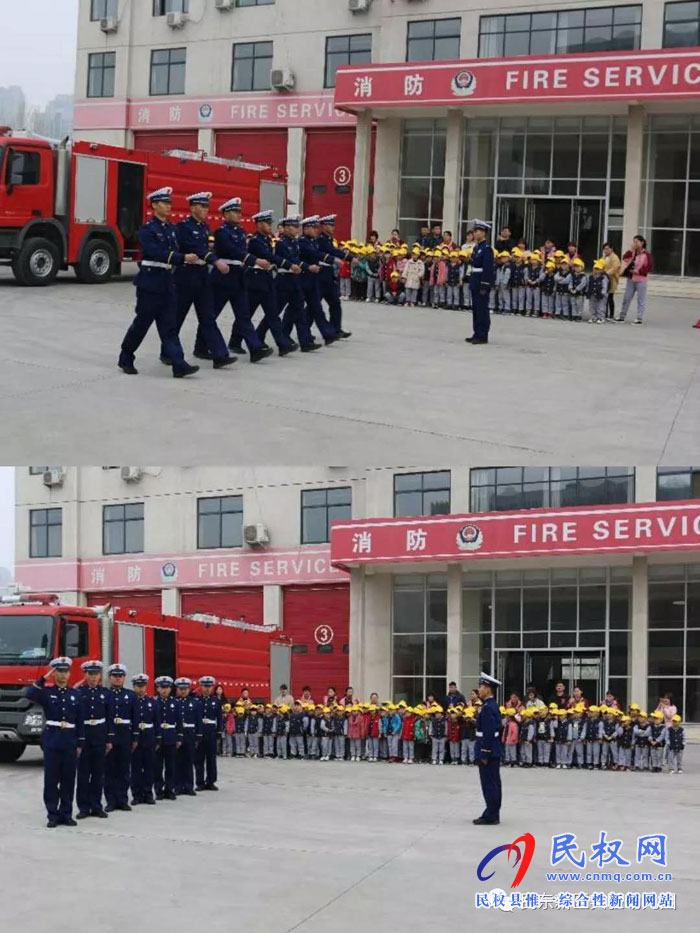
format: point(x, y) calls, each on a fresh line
point(613, 267)
point(636, 267)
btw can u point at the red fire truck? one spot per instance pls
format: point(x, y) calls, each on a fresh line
point(36, 628)
point(81, 205)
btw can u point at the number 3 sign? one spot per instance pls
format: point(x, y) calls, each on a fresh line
point(342, 175)
point(323, 635)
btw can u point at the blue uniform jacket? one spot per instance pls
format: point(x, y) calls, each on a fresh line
point(327, 246)
point(488, 731)
point(170, 720)
point(311, 254)
point(158, 244)
point(231, 242)
point(260, 247)
point(60, 705)
point(288, 254)
point(147, 721)
point(191, 710)
point(482, 267)
point(212, 717)
point(124, 726)
point(96, 704)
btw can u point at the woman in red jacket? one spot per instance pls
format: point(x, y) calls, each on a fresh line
point(408, 735)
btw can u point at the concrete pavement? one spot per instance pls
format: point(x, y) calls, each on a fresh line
point(339, 846)
point(403, 387)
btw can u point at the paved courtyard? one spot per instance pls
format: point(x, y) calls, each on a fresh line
point(404, 386)
point(343, 847)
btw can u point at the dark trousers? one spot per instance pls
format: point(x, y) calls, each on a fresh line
point(290, 302)
point(611, 304)
point(165, 769)
point(143, 760)
point(59, 782)
point(242, 326)
point(91, 776)
point(490, 776)
point(481, 316)
point(267, 300)
point(184, 766)
point(330, 293)
point(205, 762)
point(160, 308)
point(314, 309)
point(196, 290)
point(117, 768)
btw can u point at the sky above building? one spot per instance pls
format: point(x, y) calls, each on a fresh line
point(37, 48)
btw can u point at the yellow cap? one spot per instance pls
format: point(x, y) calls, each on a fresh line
point(510, 711)
point(658, 714)
point(593, 709)
point(599, 264)
point(625, 719)
point(579, 262)
point(559, 254)
point(550, 266)
point(634, 705)
point(675, 718)
point(502, 709)
point(553, 706)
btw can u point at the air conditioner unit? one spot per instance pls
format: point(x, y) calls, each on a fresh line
point(176, 20)
point(282, 79)
point(131, 474)
point(54, 476)
point(256, 535)
point(224, 4)
point(109, 24)
point(359, 6)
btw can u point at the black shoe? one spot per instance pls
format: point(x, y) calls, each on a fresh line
point(51, 824)
point(227, 361)
point(135, 802)
point(68, 822)
point(261, 354)
point(200, 786)
point(170, 796)
point(329, 340)
point(165, 360)
point(123, 806)
point(111, 807)
point(310, 347)
point(190, 793)
point(475, 341)
point(202, 356)
point(237, 349)
point(129, 369)
point(160, 796)
point(210, 787)
point(344, 334)
point(482, 822)
point(150, 801)
point(469, 339)
point(99, 813)
point(82, 816)
point(285, 351)
point(190, 371)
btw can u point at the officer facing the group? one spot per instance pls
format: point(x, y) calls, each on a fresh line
point(143, 757)
point(487, 750)
point(330, 288)
point(481, 282)
point(97, 709)
point(212, 725)
point(122, 737)
point(191, 713)
point(311, 256)
point(62, 740)
point(231, 245)
point(259, 280)
point(169, 740)
point(156, 299)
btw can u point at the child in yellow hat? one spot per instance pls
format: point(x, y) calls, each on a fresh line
point(598, 287)
point(676, 745)
point(562, 279)
point(547, 289)
point(577, 289)
point(642, 735)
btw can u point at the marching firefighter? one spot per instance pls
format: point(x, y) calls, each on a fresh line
point(212, 724)
point(191, 715)
point(312, 256)
point(122, 737)
point(169, 740)
point(143, 758)
point(328, 283)
point(62, 740)
point(97, 709)
point(260, 284)
point(290, 298)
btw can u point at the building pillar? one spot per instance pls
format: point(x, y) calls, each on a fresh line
point(645, 484)
point(170, 601)
point(370, 633)
point(454, 624)
point(360, 191)
point(272, 605)
point(639, 645)
point(387, 169)
point(206, 140)
point(453, 173)
point(633, 174)
point(296, 165)
point(357, 615)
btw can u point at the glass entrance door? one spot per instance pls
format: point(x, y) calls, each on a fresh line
point(557, 219)
point(586, 217)
point(518, 669)
point(549, 219)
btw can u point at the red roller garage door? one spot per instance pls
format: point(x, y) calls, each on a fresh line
point(136, 599)
point(235, 603)
point(329, 176)
point(317, 621)
point(157, 142)
point(268, 147)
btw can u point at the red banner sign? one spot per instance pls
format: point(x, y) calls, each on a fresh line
point(638, 528)
point(643, 75)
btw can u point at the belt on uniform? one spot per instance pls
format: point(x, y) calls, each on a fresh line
point(210, 722)
point(284, 272)
point(232, 262)
point(61, 725)
point(167, 725)
point(121, 722)
point(188, 725)
point(329, 264)
point(145, 725)
point(155, 265)
point(94, 722)
point(474, 269)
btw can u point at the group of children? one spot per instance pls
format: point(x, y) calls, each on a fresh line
point(531, 284)
point(600, 737)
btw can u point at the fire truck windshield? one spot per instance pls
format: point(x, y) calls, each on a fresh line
point(26, 639)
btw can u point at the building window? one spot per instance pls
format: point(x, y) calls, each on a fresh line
point(252, 63)
point(161, 7)
point(419, 638)
point(321, 507)
point(122, 528)
point(100, 9)
point(422, 175)
point(674, 637)
point(346, 50)
point(602, 29)
point(220, 522)
point(422, 493)
point(168, 71)
point(431, 40)
point(497, 489)
point(254, 2)
point(681, 25)
point(101, 69)
point(677, 483)
point(38, 471)
point(45, 533)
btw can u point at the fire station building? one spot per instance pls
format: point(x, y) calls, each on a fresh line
point(581, 122)
point(397, 580)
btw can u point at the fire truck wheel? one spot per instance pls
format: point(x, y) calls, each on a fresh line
point(37, 263)
point(12, 751)
point(97, 263)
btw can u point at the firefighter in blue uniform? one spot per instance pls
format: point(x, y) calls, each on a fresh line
point(260, 283)
point(290, 298)
point(311, 257)
point(143, 758)
point(156, 299)
point(62, 740)
point(481, 282)
point(487, 751)
point(122, 737)
point(212, 725)
point(231, 246)
point(191, 714)
point(169, 740)
point(97, 707)
point(193, 283)
point(328, 282)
